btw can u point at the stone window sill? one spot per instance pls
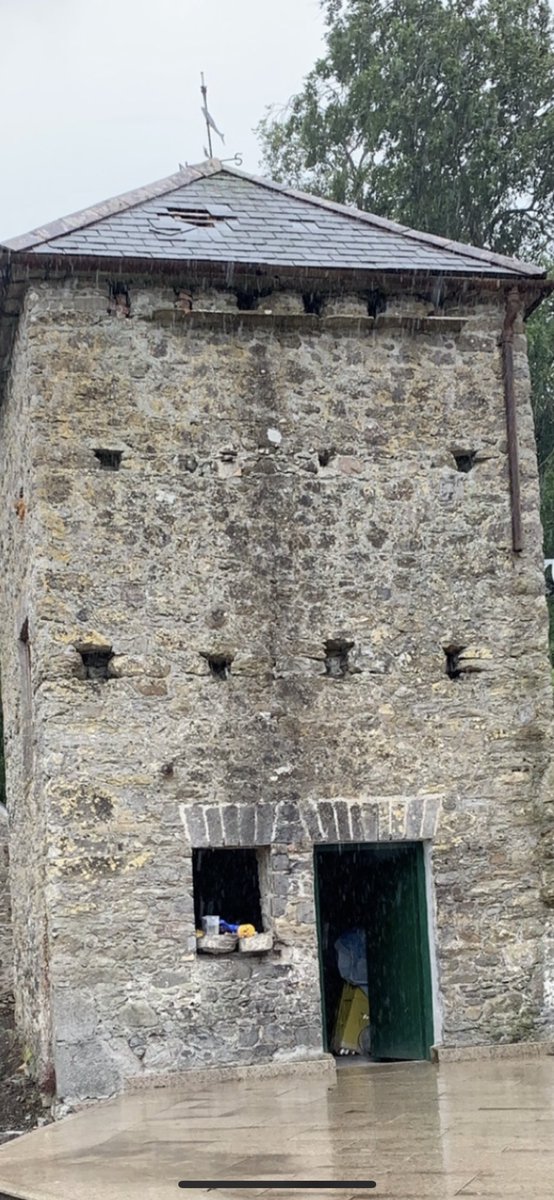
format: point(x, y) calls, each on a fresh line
point(224, 944)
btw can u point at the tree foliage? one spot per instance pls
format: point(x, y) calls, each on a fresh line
point(540, 335)
point(540, 339)
point(439, 113)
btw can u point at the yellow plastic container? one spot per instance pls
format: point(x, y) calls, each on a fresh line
point(352, 1021)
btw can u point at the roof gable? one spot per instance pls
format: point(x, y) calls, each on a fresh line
point(212, 213)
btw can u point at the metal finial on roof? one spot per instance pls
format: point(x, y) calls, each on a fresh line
point(210, 123)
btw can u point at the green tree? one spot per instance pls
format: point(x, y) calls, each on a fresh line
point(540, 336)
point(439, 113)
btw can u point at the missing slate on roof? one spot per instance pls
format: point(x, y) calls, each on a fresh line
point(195, 216)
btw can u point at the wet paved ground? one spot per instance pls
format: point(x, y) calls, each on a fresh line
point(462, 1129)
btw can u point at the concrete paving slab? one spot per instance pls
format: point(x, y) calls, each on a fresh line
point(418, 1130)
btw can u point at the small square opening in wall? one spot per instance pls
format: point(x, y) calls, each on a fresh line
point(314, 303)
point(226, 884)
point(119, 303)
point(96, 662)
point(247, 301)
point(110, 460)
point(452, 655)
point(219, 664)
point(337, 663)
point(465, 460)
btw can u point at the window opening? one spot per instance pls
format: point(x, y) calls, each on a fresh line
point(336, 657)
point(219, 664)
point(226, 884)
point(376, 303)
point(247, 301)
point(110, 460)
point(97, 662)
point(314, 303)
point(120, 300)
point(465, 461)
point(453, 667)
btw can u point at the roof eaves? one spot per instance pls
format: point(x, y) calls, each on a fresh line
point(108, 208)
point(500, 260)
point(48, 260)
point(489, 256)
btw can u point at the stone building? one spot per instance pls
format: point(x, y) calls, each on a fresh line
point(6, 943)
point(273, 633)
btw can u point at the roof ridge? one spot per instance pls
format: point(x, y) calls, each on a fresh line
point(116, 204)
point(433, 239)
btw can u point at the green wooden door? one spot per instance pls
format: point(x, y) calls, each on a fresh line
point(398, 957)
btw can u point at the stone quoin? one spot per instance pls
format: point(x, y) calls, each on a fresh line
point(272, 583)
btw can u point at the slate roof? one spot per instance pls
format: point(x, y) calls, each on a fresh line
point(244, 220)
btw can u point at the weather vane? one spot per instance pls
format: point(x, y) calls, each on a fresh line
point(210, 123)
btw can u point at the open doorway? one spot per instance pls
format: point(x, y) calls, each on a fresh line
point(374, 950)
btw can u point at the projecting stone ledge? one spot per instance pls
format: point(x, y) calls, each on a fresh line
point(219, 943)
point(233, 322)
point(260, 943)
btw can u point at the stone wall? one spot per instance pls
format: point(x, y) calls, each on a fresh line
point(22, 544)
point(6, 941)
point(285, 488)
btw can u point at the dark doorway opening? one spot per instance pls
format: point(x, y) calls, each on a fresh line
point(371, 899)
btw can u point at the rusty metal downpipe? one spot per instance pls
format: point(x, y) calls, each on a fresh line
point(513, 306)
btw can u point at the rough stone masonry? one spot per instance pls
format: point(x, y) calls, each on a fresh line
point(281, 484)
point(6, 941)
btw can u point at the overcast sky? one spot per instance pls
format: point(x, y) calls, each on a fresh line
point(101, 96)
